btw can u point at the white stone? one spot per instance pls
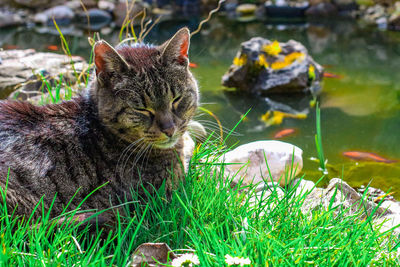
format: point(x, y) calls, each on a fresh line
point(249, 162)
point(106, 5)
point(303, 186)
point(266, 199)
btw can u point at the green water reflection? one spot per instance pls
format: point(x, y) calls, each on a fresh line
point(360, 111)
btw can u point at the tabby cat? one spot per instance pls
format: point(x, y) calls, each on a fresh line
point(124, 131)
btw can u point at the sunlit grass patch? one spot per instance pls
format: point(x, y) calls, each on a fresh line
point(207, 218)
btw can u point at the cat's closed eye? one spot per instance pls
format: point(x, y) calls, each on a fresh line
point(146, 111)
point(175, 102)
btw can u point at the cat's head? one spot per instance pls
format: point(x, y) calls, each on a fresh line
point(146, 91)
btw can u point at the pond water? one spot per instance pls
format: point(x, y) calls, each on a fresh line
point(360, 109)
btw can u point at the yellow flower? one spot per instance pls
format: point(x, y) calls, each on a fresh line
point(240, 61)
point(262, 61)
point(273, 49)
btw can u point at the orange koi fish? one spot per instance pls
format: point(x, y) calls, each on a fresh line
point(367, 156)
point(332, 75)
point(193, 65)
point(284, 133)
point(52, 47)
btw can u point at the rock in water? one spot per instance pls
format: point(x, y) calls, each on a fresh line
point(247, 162)
point(61, 14)
point(8, 19)
point(246, 9)
point(265, 67)
point(98, 19)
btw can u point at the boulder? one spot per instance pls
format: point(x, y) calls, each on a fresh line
point(341, 196)
point(264, 67)
point(22, 68)
point(303, 186)
point(62, 15)
point(106, 5)
point(394, 22)
point(152, 254)
point(8, 19)
point(246, 9)
point(98, 19)
point(375, 15)
point(268, 198)
point(262, 162)
point(321, 10)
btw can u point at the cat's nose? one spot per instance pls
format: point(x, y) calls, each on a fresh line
point(169, 131)
point(166, 123)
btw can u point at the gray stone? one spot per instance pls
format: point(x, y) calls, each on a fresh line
point(374, 14)
point(341, 196)
point(20, 67)
point(267, 199)
point(152, 254)
point(62, 15)
point(303, 186)
point(394, 22)
point(258, 70)
point(246, 9)
point(106, 5)
point(321, 10)
point(8, 19)
point(98, 19)
point(246, 164)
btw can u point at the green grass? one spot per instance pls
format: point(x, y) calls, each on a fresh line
point(318, 140)
point(206, 216)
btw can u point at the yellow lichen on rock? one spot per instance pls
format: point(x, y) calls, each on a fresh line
point(240, 61)
point(288, 60)
point(272, 49)
point(262, 61)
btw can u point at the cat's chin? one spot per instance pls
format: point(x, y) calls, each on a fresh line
point(167, 144)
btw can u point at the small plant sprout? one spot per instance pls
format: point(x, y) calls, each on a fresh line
point(236, 261)
point(186, 260)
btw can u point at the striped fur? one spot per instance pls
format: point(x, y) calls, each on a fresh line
point(124, 131)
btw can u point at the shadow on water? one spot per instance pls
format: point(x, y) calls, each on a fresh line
point(360, 108)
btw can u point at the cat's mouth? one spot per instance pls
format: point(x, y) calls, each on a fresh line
point(165, 144)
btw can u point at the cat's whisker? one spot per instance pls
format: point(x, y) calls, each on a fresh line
point(126, 150)
point(138, 147)
point(148, 156)
point(139, 155)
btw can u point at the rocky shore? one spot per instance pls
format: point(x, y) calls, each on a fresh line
point(103, 15)
point(273, 168)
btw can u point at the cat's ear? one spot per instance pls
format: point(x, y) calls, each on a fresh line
point(107, 59)
point(175, 50)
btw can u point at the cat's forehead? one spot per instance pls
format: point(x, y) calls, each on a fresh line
point(139, 56)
